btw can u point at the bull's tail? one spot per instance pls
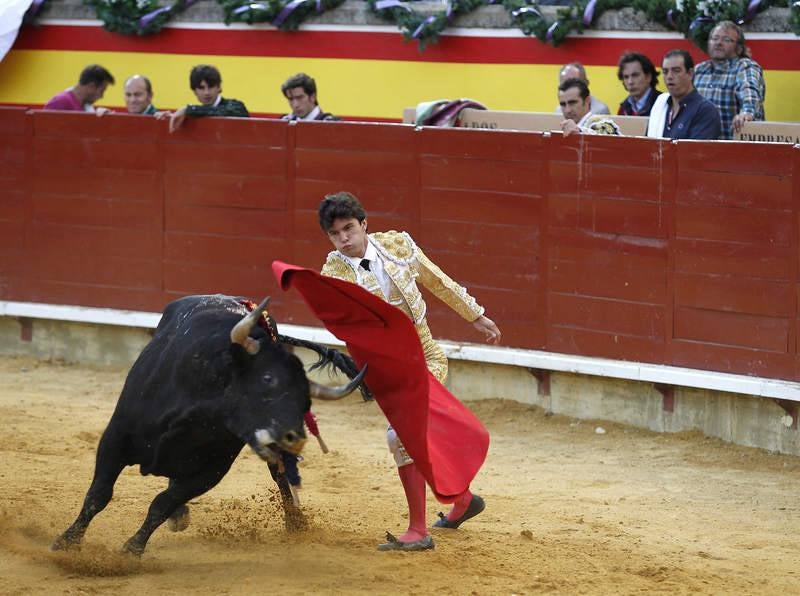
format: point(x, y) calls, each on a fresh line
point(329, 357)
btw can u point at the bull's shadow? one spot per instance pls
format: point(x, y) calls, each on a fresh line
point(209, 382)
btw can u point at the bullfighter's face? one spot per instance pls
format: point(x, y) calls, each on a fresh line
point(301, 102)
point(349, 236)
point(207, 94)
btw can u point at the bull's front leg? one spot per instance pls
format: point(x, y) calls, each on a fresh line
point(108, 467)
point(293, 517)
point(173, 500)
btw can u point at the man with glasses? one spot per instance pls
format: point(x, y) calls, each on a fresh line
point(731, 79)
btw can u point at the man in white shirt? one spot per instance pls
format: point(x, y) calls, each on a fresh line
point(300, 91)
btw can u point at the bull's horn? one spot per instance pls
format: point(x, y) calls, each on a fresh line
point(240, 334)
point(331, 393)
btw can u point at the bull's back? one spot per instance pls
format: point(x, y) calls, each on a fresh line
point(186, 359)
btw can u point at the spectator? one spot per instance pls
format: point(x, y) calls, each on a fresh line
point(139, 97)
point(682, 113)
point(576, 70)
point(206, 83)
point(731, 80)
point(640, 79)
point(301, 92)
point(575, 103)
point(91, 86)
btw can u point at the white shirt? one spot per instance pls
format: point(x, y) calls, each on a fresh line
point(375, 265)
point(312, 114)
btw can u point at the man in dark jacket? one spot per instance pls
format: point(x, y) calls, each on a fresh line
point(206, 83)
point(682, 113)
point(640, 78)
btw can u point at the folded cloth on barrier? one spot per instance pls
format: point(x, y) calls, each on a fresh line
point(443, 112)
point(446, 440)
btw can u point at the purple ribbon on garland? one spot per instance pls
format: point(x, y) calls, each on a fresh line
point(699, 21)
point(248, 7)
point(147, 19)
point(422, 25)
point(287, 9)
point(525, 10)
point(671, 18)
point(448, 13)
point(588, 13)
point(382, 4)
point(750, 12)
point(550, 31)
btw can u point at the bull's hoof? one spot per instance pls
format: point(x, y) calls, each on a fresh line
point(295, 521)
point(133, 547)
point(63, 542)
point(179, 520)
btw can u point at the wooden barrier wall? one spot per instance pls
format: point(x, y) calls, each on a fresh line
point(629, 248)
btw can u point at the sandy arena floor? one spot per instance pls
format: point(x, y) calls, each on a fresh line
point(568, 510)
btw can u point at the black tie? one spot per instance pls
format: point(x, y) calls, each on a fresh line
point(365, 264)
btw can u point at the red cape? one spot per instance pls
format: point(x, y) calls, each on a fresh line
point(446, 440)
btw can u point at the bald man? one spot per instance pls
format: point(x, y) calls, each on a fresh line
point(139, 97)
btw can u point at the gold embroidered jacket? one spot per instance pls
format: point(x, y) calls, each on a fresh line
point(405, 264)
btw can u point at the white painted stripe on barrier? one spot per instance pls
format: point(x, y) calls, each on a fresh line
point(80, 314)
point(601, 367)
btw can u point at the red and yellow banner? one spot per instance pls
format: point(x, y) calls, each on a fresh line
point(361, 72)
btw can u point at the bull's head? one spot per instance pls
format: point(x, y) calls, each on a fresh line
point(270, 392)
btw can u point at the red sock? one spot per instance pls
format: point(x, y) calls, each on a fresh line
point(414, 486)
point(460, 505)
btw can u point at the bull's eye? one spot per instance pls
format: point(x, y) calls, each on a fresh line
point(269, 380)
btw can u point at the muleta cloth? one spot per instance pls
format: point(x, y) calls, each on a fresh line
point(446, 440)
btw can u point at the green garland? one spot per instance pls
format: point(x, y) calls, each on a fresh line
point(693, 18)
point(135, 17)
point(425, 29)
point(259, 11)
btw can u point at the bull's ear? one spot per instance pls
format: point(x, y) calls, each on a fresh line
point(240, 357)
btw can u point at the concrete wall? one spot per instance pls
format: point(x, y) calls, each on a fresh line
point(745, 420)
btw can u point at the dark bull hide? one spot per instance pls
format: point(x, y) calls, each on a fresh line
point(200, 390)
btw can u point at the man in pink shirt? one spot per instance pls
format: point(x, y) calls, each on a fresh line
point(81, 97)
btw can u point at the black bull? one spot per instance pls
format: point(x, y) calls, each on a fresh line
point(205, 386)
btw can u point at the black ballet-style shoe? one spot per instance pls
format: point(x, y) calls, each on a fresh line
point(476, 505)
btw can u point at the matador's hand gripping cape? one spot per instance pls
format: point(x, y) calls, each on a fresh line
point(446, 440)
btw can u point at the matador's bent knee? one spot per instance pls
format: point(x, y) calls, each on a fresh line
point(401, 456)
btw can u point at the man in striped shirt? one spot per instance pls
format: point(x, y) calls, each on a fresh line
point(731, 79)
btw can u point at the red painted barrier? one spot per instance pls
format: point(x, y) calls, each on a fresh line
point(677, 253)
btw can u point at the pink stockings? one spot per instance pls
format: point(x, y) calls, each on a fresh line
point(415, 487)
